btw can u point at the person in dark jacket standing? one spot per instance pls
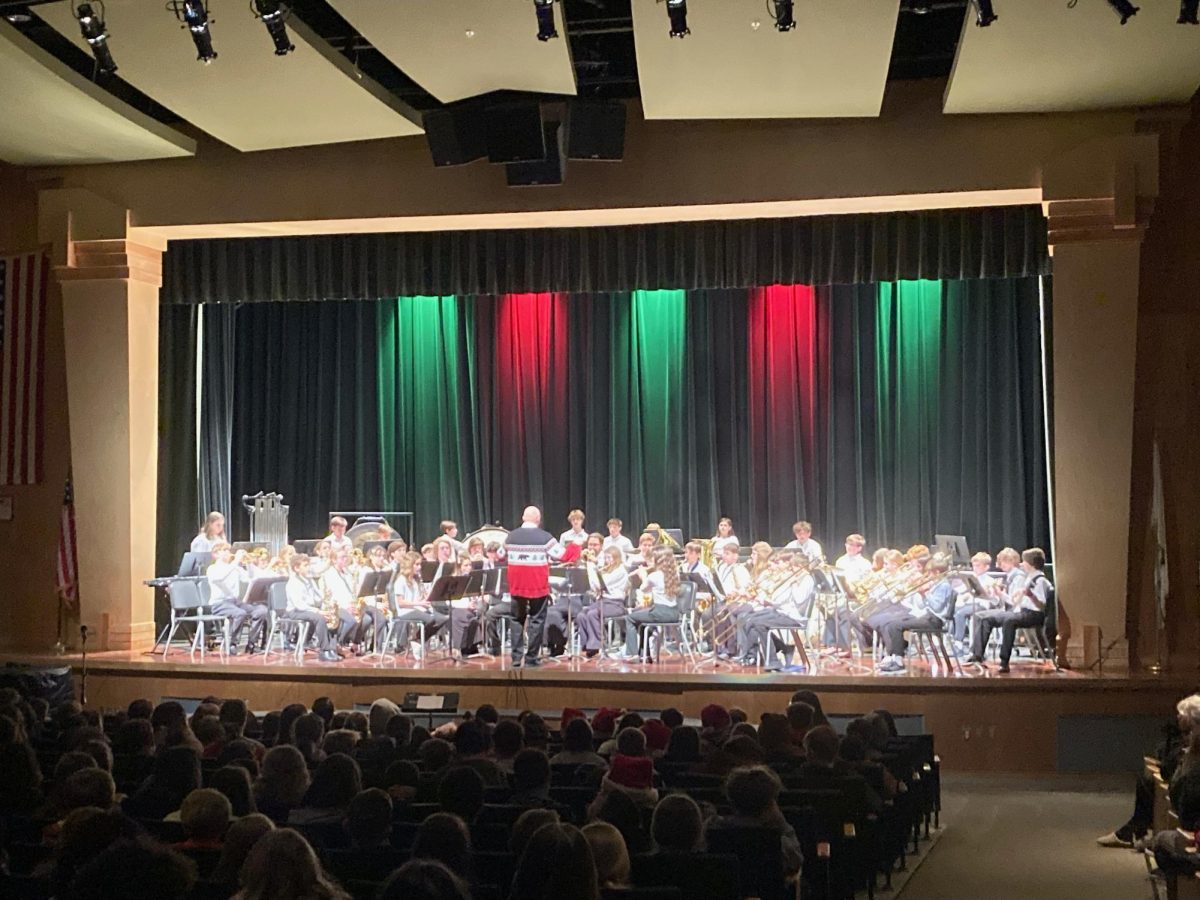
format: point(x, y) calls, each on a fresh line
point(529, 550)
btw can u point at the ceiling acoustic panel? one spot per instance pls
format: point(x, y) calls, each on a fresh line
point(53, 116)
point(1046, 57)
point(247, 97)
point(463, 48)
point(735, 65)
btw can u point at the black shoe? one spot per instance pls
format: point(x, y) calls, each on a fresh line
point(532, 662)
point(1003, 670)
point(973, 659)
point(591, 654)
point(330, 656)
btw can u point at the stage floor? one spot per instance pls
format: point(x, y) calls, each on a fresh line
point(983, 721)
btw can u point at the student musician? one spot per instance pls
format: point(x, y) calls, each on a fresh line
point(1012, 573)
point(616, 539)
point(932, 610)
point(211, 534)
point(396, 551)
point(429, 553)
point(896, 574)
point(464, 615)
point(723, 536)
point(449, 531)
point(304, 605)
point(227, 580)
point(340, 582)
point(644, 556)
point(852, 564)
point(1028, 609)
point(661, 583)
point(337, 535)
point(475, 552)
point(609, 587)
point(692, 565)
point(804, 542)
point(576, 534)
point(968, 604)
point(411, 604)
point(499, 605)
point(445, 556)
point(787, 607)
point(735, 583)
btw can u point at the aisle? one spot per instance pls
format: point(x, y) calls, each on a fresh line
point(1029, 839)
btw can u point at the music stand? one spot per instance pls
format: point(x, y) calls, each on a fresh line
point(577, 585)
point(447, 589)
point(711, 585)
point(373, 585)
point(256, 591)
point(306, 545)
point(250, 545)
point(193, 564)
point(954, 546)
point(430, 569)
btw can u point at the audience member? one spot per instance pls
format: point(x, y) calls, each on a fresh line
point(241, 835)
point(631, 771)
point(677, 825)
point(715, 725)
point(282, 866)
point(176, 774)
point(608, 850)
point(435, 754)
point(282, 784)
point(684, 746)
point(754, 795)
point(308, 731)
point(461, 792)
point(287, 718)
point(205, 816)
point(324, 708)
point(335, 783)
point(671, 717)
point(508, 739)
point(235, 783)
point(577, 746)
point(800, 718)
point(125, 869)
point(527, 823)
point(814, 701)
point(472, 742)
point(401, 780)
point(369, 819)
point(424, 879)
point(619, 810)
point(557, 864)
point(444, 837)
point(21, 786)
point(340, 740)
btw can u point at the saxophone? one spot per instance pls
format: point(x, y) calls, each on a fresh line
point(329, 609)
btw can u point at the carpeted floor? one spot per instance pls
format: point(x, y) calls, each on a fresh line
point(1030, 839)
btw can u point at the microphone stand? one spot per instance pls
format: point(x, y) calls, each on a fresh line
point(83, 636)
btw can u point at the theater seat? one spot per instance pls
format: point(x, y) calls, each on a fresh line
point(710, 875)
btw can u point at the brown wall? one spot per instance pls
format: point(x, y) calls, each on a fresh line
point(29, 542)
point(1167, 403)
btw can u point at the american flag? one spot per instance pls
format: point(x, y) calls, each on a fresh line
point(22, 352)
point(67, 575)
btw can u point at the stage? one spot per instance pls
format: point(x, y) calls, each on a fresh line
point(1034, 720)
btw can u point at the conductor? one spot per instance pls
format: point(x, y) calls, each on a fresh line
point(529, 550)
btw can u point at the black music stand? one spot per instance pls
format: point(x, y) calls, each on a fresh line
point(577, 585)
point(447, 589)
point(493, 584)
point(711, 585)
point(374, 585)
point(954, 546)
point(258, 589)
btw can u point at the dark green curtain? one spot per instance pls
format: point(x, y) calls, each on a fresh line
point(994, 242)
point(217, 399)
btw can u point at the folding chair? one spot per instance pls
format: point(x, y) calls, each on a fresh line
point(190, 604)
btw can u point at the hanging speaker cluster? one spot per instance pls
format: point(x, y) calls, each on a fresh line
point(532, 143)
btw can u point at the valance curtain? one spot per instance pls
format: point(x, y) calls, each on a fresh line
point(900, 409)
point(950, 244)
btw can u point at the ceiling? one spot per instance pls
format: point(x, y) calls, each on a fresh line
point(248, 97)
point(52, 115)
point(464, 48)
point(1073, 59)
point(366, 69)
point(735, 65)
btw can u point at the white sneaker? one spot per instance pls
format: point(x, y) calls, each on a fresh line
point(1113, 840)
point(417, 651)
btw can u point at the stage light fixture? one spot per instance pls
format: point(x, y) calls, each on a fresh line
point(274, 15)
point(677, 13)
point(94, 32)
point(545, 19)
point(785, 16)
point(1124, 9)
point(194, 16)
point(1188, 10)
point(985, 15)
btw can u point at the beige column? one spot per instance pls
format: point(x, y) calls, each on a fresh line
point(1096, 254)
point(110, 319)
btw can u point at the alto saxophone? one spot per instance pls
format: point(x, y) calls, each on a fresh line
point(329, 609)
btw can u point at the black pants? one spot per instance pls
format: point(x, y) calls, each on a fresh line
point(238, 614)
point(1008, 621)
point(318, 628)
point(556, 621)
point(491, 620)
point(893, 631)
point(530, 614)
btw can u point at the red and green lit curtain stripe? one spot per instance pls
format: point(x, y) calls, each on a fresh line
point(898, 410)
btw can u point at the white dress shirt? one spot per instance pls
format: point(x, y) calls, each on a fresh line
point(226, 580)
point(342, 586)
point(810, 548)
point(571, 536)
point(302, 594)
point(620, 541)
point(202, 543)
point(854, 568)
point(339, 543)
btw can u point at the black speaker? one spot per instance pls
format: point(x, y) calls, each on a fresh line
point(548, 171)
point(596, 130)
point(514, 132)
point(455, 134)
